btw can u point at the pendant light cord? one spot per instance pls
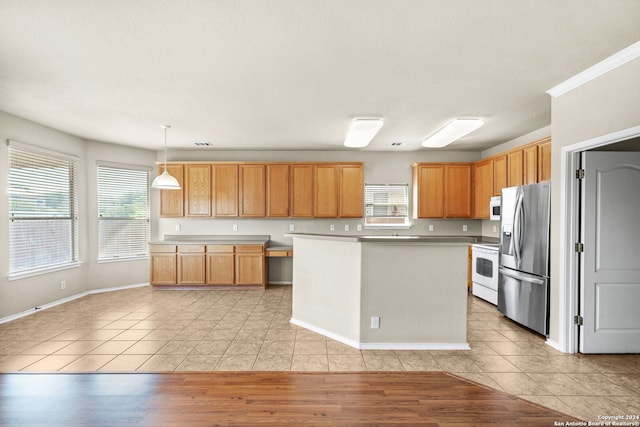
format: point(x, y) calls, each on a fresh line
point(165, 127)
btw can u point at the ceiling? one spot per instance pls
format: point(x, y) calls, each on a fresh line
point(292, 74)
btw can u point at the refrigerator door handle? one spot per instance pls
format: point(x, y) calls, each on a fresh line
point(519, 276)
point(517, 227)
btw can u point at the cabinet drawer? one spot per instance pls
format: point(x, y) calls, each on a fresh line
point(249, 248)
point(191, 248)
point(219, 248)
point(279, 253)
point(162, 248)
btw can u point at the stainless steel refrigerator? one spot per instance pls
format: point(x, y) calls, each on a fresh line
point(523, 275)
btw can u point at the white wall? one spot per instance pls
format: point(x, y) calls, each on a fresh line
point(605, 105)
point(24, 294)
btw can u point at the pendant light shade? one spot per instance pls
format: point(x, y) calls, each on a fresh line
point(165, 181)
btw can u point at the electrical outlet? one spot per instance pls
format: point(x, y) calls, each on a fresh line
point(235, 227)
point(375, 322)
point(346, 227)
point(332, 227)
point(464, 227)
point(178, 227)
point(292, 227)
point(430, 227)
point(359, 227)
point(63, 284)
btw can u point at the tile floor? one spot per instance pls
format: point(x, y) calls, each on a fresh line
point(143, 329)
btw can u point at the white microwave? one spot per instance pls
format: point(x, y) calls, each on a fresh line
point(494, 208)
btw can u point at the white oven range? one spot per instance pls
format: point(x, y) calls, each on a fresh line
point(484, 273)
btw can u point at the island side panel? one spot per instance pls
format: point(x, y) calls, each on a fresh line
point(326, 287)
point(418, 290)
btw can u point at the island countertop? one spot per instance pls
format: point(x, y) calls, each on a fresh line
point(386, 238)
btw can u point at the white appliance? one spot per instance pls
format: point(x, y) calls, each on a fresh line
point(484, 271)
point(494, 208)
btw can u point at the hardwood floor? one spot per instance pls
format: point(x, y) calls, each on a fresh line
point(265, 398)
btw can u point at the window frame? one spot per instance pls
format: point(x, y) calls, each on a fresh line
point(101, 219)
point(374, 225)
point(18, 152)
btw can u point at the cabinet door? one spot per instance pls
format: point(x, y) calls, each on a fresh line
point(326, 195)
point(301, 191)
point(428, 187)
point(249, 269)
point(351, 191)
point(252, 190)
point(514, 168)
point(544, 161)
point(191, 268)
point(172, 201)
point(457, 195)
point(225, 190)
point(483, 188)
point(499, 174)
point(163, 269)
point(277, 190)
point(198, 190)
point(530, 164)
point(220, 265)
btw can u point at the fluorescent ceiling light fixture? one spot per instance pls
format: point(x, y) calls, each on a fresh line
point(361, 132)
point(165, 181)
point(452, 131)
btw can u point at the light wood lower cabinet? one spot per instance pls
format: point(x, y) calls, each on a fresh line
point(191, 265)
point(219, 265)
point(163, 265)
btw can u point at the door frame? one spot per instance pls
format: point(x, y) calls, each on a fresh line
point(570, 279)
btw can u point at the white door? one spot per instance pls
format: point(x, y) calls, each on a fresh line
point(610, 279)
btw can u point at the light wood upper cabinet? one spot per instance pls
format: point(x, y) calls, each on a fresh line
point(351, 191)
point(544, 160)
point(252, 190)
point(428, 191)
point(302, 190)
point(442, 190)
point(457, 190)
point(514, 168)
point(225, 189)
point(530, 164)
point(499, 174)
point(327, 190)
point(277, 190)
point(198, 190)
point(483, 188)
point(172, 201)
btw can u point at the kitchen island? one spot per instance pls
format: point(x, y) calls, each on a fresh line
point(382, 292)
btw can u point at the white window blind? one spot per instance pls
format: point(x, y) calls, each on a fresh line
point(386, 205)
point(123, 212)
point(43, 210)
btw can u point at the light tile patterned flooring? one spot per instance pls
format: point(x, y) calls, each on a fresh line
point(143, 329)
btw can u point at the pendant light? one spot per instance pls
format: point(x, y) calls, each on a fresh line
point(165, 181)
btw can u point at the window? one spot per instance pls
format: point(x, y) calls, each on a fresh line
point(43, 210)
point(386, 205)
point(123, 212)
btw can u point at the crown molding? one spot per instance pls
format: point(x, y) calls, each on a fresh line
point(611, 63)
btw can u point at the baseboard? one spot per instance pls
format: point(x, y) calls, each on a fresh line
point(554, 344)
point(67, 299)
point(280, 282)
point(381, 346)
